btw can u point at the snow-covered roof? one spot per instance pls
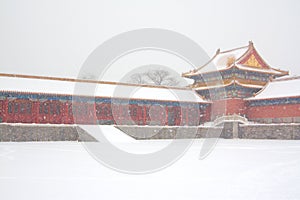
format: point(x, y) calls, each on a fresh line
point(49, 85)
point(222, 59)
point(219, 61)
point(280, 88)
point(237, 57)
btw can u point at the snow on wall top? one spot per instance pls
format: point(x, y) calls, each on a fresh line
point(48, 85)
point(284, 87)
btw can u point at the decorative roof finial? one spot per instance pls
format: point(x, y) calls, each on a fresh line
point(250, 43)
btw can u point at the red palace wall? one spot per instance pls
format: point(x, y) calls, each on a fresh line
point(228, 107)
point(268, 113)
point(273, 111)
point(63, 112)
point(16, 110)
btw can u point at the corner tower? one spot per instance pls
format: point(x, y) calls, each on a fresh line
point(236, 73)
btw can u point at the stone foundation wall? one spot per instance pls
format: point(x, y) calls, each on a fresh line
point(270, 131)
point(23, 133)
point(229, 130)
point(176, 132)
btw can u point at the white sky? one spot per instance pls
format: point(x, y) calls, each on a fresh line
point(55, 37)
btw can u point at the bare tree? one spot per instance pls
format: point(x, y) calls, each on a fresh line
point(137, 78)
point(154, 77)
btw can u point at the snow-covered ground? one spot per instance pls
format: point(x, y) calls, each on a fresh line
point(236, 169)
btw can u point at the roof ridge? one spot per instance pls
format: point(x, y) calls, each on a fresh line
point(234, 49)
point(204, 65)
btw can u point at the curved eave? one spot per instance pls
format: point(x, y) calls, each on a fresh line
point(275, 72)
point(233, 82)
point(264, 71)
point(249, 85)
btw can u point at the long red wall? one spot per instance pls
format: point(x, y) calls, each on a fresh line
point(274, 111)
point(145, 114)
point(57, 112)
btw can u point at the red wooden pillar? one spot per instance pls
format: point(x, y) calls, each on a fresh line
point(126, 116)
point(94, 113)
point(35, 111)
point(90, 113)
point(187, 116)
point(167, 120)
point(179, 116)
point(70, 116)
point(70, 113)
point(5, 110)
point(119, 114)
point(138, 118)
point(65, 113)
point(145, 115)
